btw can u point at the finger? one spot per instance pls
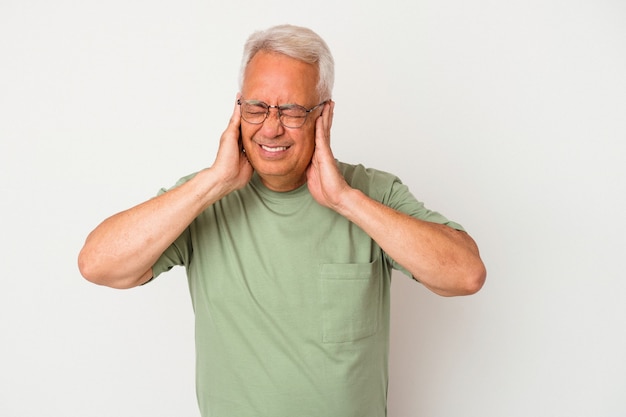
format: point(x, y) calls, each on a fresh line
point(327, 118)
point(235, 118)
point(329, 110)
point(325, 121)
point(322, 141)
point(232, 132)
point(321, 133)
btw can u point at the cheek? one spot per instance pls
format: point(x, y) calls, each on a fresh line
point(247, 131)
point(309, 140)
point(308, 149)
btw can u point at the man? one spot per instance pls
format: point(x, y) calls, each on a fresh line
point(288, 252)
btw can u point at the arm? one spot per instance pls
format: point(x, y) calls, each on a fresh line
point(120, 252)
point(445, 260)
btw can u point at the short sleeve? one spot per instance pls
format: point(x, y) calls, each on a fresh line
point(179, 252)
point(401, 199)
point(389, 190)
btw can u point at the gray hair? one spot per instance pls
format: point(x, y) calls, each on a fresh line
point(296, 42)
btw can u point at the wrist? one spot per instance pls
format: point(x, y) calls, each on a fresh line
point(349, 202)
point(210, 187)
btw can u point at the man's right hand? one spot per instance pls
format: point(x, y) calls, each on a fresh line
point(231, 164)
point(121, 251)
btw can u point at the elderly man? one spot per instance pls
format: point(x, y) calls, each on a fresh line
point(288, 252)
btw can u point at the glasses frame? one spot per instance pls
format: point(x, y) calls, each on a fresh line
point(279, 109)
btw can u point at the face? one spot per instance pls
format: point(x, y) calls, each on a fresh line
point(280, 155)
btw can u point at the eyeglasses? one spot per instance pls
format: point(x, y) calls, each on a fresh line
point(289, 115)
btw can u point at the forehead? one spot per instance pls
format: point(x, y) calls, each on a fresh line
point(277, 78)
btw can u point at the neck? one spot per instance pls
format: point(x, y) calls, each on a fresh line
point(280, 184)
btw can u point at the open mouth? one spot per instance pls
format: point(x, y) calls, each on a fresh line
point(274, 148)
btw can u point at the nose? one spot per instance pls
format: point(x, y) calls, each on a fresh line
point(271, 125)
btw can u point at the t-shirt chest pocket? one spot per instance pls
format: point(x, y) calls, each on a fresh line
point(351, 296)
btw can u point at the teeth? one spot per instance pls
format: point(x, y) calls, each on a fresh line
point(274, 149)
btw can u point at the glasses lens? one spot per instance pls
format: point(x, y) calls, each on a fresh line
point(253, 112)
point(293, 115)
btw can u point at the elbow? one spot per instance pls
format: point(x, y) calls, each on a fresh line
point(467, 282)
point(93, 271)
point(87, 268)
point(474, 279)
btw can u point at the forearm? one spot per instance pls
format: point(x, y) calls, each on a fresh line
point(120, 252)
point(445, 260)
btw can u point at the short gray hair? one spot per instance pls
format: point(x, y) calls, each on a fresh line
point(296, 42)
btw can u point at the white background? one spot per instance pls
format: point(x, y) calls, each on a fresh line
point(507, 116)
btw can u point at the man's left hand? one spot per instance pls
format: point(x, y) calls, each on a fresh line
point(324, 180)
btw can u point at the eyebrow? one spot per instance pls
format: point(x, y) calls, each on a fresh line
point(280, 106)
point(290, 105)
